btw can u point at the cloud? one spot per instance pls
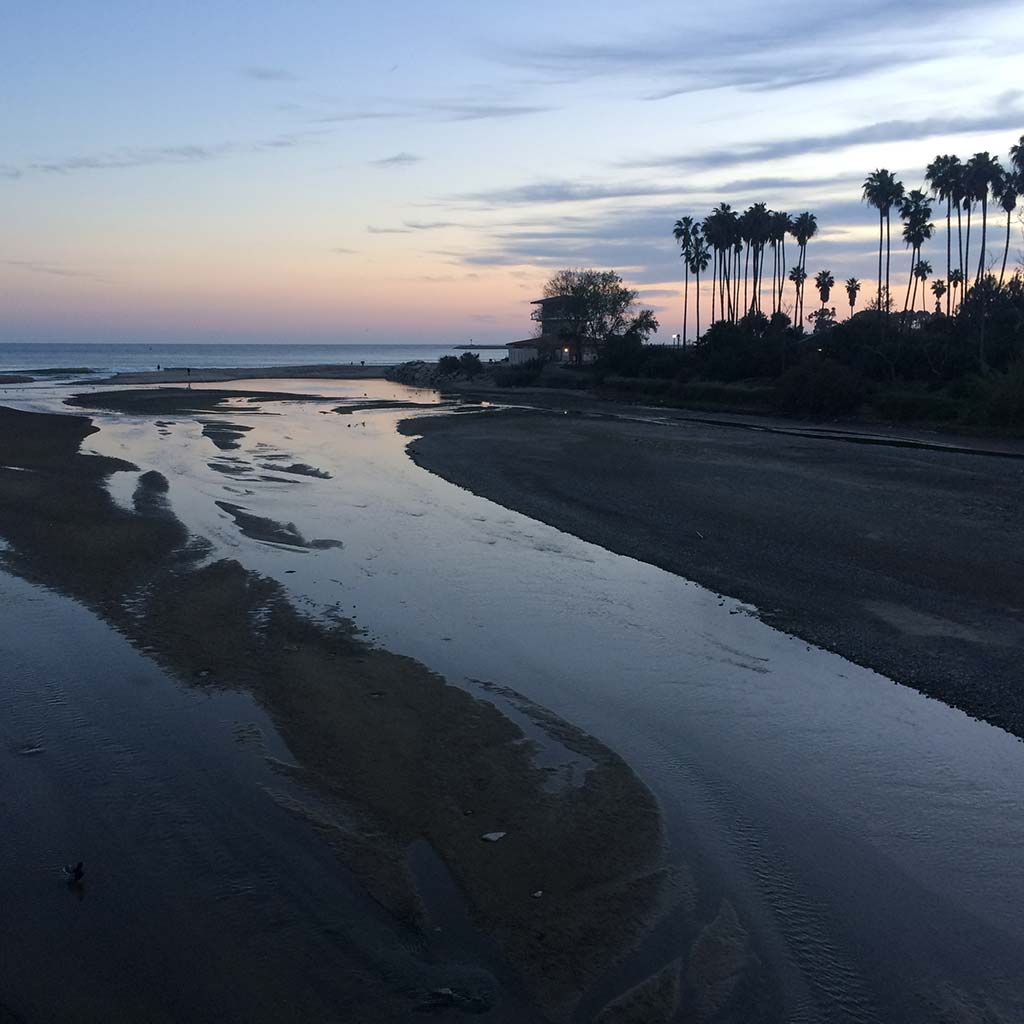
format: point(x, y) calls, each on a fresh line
point(759, 47)
point(562, 192)
point(388, 231)
point(1006, 118)
point(430, 225)
point(438, 110)
point(148, 156)
point(402, 159)
point(343, 251)
point(269, 74)
point(53, 269)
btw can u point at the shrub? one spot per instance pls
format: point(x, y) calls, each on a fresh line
point(448, 364)
point(469, 363)
point(914, 404)
point(519, 376)
point(998, 399)
point(818, 386)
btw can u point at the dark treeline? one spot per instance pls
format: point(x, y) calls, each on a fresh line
point(942, 352)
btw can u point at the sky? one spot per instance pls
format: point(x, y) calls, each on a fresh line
point(407, 172)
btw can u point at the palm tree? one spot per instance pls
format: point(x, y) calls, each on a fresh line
point(699, 261)
point(943, 175)
point(882, 191)
point(804, 228)
point(1006, 192)
point(777, 237)
point(938, 290)
point(922, 272)
point(956, 280)
point(852, 287)
point(824, 282)
point(684, 233)
point(983, 172)
point(798, 275)
point(917, 229)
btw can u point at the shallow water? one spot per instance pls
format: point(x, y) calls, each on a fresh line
point(870, 838)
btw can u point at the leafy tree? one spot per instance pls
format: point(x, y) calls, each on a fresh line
point(596, 305)
point(448, 364)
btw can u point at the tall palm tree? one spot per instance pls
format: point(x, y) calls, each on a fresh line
point(938, 290)
point(983, 171)
point(882, 191)
point(824, 282)
point(922, 272)
point(917, 229)
point(943, 175)
point(699, 262)
point(852, 287)
point(683, 233)
point(777, 238)
point(798, 275)
point(805, 227)
point(1006, 193)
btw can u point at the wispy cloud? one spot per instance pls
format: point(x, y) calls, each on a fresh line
point(53, 270)
point(431, 225)
point(1006, 117)
point(263, 73)
point(340, 249)
point(387, 231)
point(438, 110)
point(759, 47)
point(402, 159)
point(147, 156)
point(561, 192)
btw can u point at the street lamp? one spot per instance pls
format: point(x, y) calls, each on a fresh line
point(675, 340)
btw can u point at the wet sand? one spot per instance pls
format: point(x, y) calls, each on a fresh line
point(401, 757)
point(905, 560)
point(182, 375)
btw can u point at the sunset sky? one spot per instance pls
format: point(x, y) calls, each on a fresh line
point(402, 172)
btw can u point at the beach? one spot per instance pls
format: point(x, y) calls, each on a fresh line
point(904, 559)
point(315, 703)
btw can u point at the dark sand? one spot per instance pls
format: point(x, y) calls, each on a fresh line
point(402, 756)
point(906, 560)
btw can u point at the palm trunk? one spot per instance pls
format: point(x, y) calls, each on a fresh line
point(967, 251)
point(984, 228)
point(881, 244)
point(686, 299)
point(746, 275)
point(1006, 249)
point(960, 240)
point(911, 281)
point(697, 336)
point(888, 256)
point(714, 283)
point(949, 242)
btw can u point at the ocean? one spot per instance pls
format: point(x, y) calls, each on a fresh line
point(138, 357)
